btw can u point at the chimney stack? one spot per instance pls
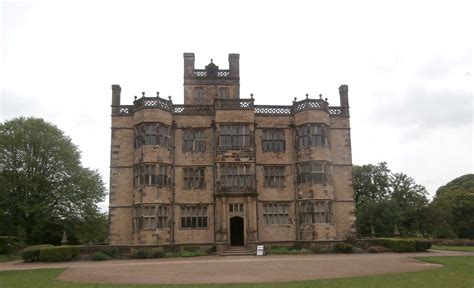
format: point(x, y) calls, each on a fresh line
point(343, 94)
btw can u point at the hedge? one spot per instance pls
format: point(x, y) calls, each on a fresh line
point(398, 245)
point(31, 254)
point(422, 245)
point(343, 248)
point(58, 253)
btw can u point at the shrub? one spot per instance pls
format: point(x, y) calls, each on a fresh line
point(31, 254)
point(9, 244)
point(422, 245)
point(111, 251)
point(456, 242)
point(58, 253)
point(378, 249)
point(99, 256)
point(145, 253)
point(192, 253)
point(278, 250)
point(343, 248)
point(398, 244)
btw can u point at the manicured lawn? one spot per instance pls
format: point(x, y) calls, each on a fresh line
point(453, 248)
point(457, 272)
point(6, 258)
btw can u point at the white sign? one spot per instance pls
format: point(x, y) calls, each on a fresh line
point(260, 250)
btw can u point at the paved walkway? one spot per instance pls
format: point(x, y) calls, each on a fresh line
point(218, 269)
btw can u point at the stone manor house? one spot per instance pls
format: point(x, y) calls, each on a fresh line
point(220, 170)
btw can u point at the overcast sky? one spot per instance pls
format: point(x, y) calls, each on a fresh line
point(408, 66)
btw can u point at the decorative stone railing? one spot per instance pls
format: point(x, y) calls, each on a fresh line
point(233, 104)
point(229, 104)
point(200, 73)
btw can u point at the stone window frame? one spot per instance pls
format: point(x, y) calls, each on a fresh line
point(313, 172)
point(236, 208)
point(193, 217)
point(274, 175)
point(194, 177)
point(234, 135)
point(235, 176)
point(273, 140)
point(152, 174)
point(315, 212)
point(312, 134)
point(152, 134)
point(151, 216)
point(194, 140)
point(199, 95)
point(276, 213)
point(224, 93)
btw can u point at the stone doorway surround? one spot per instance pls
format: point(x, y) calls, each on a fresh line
point(237, 235)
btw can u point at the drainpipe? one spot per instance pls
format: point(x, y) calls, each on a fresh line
point(173, 153)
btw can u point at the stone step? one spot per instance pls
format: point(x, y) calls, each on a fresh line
point(237, 253)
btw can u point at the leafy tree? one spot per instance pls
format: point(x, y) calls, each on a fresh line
point(385, 199)
point(452, 209)
point(44, 186)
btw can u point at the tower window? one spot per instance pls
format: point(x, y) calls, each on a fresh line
point(199, 95)
point(224, 92)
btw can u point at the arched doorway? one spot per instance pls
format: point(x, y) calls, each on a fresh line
point(236, 231)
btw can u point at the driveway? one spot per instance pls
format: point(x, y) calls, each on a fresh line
point(218, 269)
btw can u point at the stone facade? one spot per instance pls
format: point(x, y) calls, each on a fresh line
point(221, 170)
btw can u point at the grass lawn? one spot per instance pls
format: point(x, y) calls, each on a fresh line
point(6, 258)
point(457, 272)
point(453, 248)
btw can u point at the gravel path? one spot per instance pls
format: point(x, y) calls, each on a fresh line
point(218, 269)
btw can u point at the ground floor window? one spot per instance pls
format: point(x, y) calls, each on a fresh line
point(276, 213)
point(316, 211)
point(194, 217)
point(151, 216)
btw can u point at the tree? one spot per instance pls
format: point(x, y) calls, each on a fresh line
point(385, 199)
point(452, 209)
point(45, 186)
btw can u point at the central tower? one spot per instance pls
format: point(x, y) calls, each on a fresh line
point(202, 86)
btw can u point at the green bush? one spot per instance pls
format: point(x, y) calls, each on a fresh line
point(398, 244)
point(456, 242)
point(99, 256)
point(9, 244)
point(378, 249)
point(145, 253)
point(422, 245)
point(58, 253)
point(112, 252)
point(289, 250)
point(343, 248)
point(192, 253)
point(31, 254)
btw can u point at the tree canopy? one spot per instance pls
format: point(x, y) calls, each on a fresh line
point(45, 189)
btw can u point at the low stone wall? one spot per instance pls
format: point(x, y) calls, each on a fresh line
point(128, 249)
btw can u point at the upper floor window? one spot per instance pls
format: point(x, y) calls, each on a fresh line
point(235, 176)
point(234, 136)
point(151, 216)
point(313, 135)
point(152, 174)
point(224, 92)
point(315, 172)
point(193, 217)
point(276, 213)
point(274, 176)
point(273, 140)
point(194, 177)
point(152, 134)
point(315, 211)
point(194, 140)
point(199, 95)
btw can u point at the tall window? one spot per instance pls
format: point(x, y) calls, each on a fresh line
point(313, 135)
point(274, 176)
point(199, 95)
point(152, 134)
point(224, 92)
point(276, 213)
point(315, 172)
point(194, 140)
point(235, 176)
point(318, 211)
point(151, 216)
point(152, 174)
point(194, 177)
point(273, 140)
point(234, 136)
point(193, 217)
